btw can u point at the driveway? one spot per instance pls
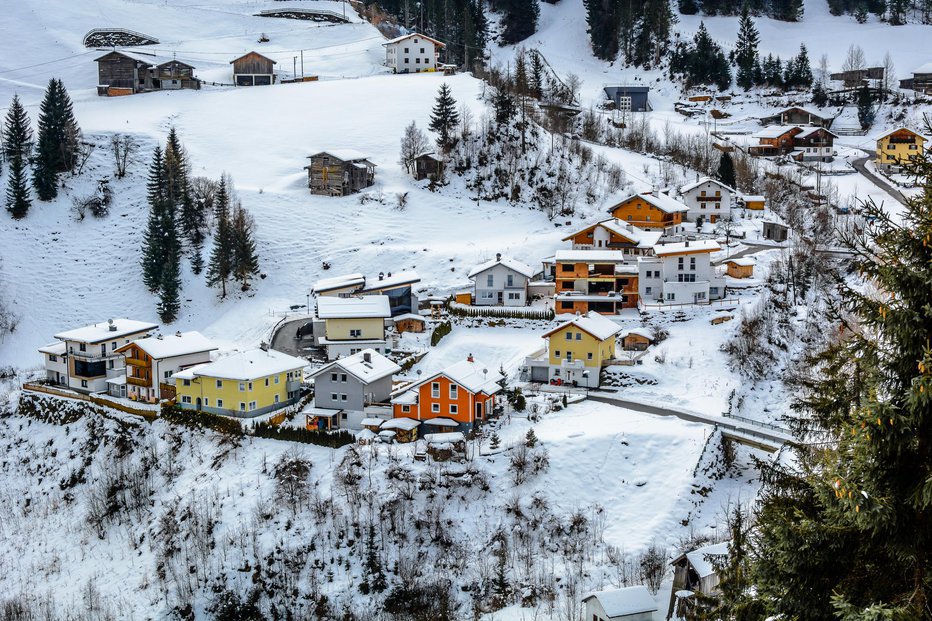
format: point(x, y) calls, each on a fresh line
point(860, 166)
point(284, 340)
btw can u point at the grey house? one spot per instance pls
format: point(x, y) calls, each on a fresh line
point(502, 282)
point(629, 98)
point(775, 231)
point(344, 388)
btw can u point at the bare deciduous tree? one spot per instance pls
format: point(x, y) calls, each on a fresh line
point(413, 143)
point(124, 147)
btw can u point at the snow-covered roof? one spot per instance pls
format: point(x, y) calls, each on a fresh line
point(178, 344)
point(644, 332)
point(590, 256)
point(700, 558)
point(405, 424)
point(414, 34)
point(119, 380)
point(642, 237)
point(775, 131)
point(410, 317)
point(743, 261)
point(390, 281)
point(372, 422)
point(808, 131)
point(366, 371)
point(246, 365)
point(512, 264)
point(407, 397)
point(99, 332)
point(343, 281)
point(699, 245)
point(627, 601)
point(903, 129)
point(444, 438)
point(926, 68)
point(274, 62)
point(150, 59)
point(346, 155)
point(659, 200)
point(754, 197)
point(702, 181)
point(593, 323)
point(441, 421)
point(56, 349)
point(363, 307)
point(472, 375)
point(800, 108)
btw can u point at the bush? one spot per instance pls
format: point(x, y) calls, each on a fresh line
point(203, 420)
point(439, 332)
point(331, 439)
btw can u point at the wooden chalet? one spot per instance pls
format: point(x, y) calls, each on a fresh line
point(636, 339)
point(921, 82)
point(856, 77)
point(130, 72)
point(253, 69)
point(339, 172)
point(428, 166)
point(773, 141)
point(797, 115)
point(655, 210)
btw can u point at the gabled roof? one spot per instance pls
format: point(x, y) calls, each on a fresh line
point(247, 365)
point(414, 34)
point(640, 237)
point(701, 558)
point(391, 281)
point(775, 131)
point(512, 264)
point(274, 62)
point(901, 129)
point(377, 367)
point(469, 374)
point(405, 424)
point(178, 344)
point(339, 282)
point(808, 111)
point(592, 323)
point(742, 261)
point(642, 332)
point(661, 201)
point(344, 155)
point(590, 256)
point(689, 247)
point(808, 131)
point(144, 57)
point(365, 307)
point(100, 332)
point(627, 601)
point(703, 180)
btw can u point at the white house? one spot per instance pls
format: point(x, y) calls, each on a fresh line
point(633, 603)
point(85, 358)
point(709, 198)
point(151, 362)
point(412, 53)
point(680, 273)
point(501, 282)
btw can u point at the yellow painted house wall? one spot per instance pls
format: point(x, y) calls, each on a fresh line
point(581, 344)
point(339, 329)
point(900, 152)
point(262, 390)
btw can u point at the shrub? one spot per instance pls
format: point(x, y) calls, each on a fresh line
point(331, 439)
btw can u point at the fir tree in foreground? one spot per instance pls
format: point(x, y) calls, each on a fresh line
point(17, 146)
point(58, 140)
point(444, 118)
point(845, 530)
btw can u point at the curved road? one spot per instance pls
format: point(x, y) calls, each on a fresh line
point(880, 182)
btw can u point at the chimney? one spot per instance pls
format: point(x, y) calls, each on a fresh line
point(389, 274)
point(178, 333)
point(158, 336)
point(687, 243)
point(367, 357)
point(111, 326)
point(469, 358)
point(381, 275)
point(264, 346)
point(498, 256)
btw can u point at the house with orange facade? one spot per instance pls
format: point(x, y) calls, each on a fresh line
point(655, 210)
point(604, 281)
point(775, 140)
point(614, 234)
point(151, 362)
point(456, 398)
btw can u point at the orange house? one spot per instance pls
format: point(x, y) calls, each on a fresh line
point(459, 396)
point(594, 280)
point(615, 235)
point(651, 211)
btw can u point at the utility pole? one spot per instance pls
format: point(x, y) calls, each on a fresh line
point(294, 66)
point(302, 64)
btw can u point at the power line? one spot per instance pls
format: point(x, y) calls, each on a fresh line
point(50, 62)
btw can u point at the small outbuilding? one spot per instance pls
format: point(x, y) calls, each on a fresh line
point(339, 172)
point(629, 98)
point(253, 69)
point(428, 166)
point(742, 267)
point(405, 429)
point(775, 231)
point(410, 322)
point(636, 339)
point(628, 604)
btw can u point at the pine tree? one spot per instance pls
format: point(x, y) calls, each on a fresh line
point(191, 217)
point(745, 55)
point(726, 170)
point(58, 140)
point(220, 268)
point(17, 146)
point(687, 7)
point(153, 239)
point(602, 16)
point(244, 261)
point(521, 78)
point(866, 111)
point(519, 20)
point(798, 70)
point(536, 85)
point(530, 438)
point(444, 118)
point(734, 600)
point(170, 285)
point(844, 529)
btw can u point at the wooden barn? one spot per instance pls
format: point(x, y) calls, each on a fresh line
point(428, 166)
point(253, 69)
point(339, 172)
point(636, 339)
point(127, 73)
point(742, 267)
point(410, 322)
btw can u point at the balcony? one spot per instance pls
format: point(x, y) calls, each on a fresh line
point(136, 362)
point(89, 356)
point(137, 381)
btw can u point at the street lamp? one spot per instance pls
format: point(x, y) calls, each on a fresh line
point(585, 376)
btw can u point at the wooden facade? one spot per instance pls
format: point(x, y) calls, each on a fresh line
point(336, 174)
point(797, 116)
point(253, 69)
point(410, 324)
point(124, 73)
point(428, 166)
point(637, 210)
point(635, 342)
point(779, 144)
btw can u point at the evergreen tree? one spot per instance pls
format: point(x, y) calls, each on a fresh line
point(170, 285)
point(17, 147)
point(536, 85)
point(602, 16)
point(444, 118)
point(220, 268)
point(244, 261)
point(726, 170)
point(844, 529)
point(866, 111)
point(153, 239)
point(896, 11)
point(191, 217)
point(58, 140)
point(519, 21)
point(687, 7)
point(745, 54)
point(819, 96)
point(702, 61)
point(772, 72)
point(735, 600)
point(798, 72)
point(521, 77)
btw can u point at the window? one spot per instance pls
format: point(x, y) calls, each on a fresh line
point(342, 396)
point(647, 290)
point(670, 296)
point(680, 263)
point(83, 383)
point(422, 50)
point(167, 375)
point(435, 408)
point(219, 403)
point(343, 377)
point(277, 377)
point(510, 281)
point(700, 295)
point(891, 147)
point(713, 290)
point(355, 333)
point(514, 296)
point(252, 406)
point(53, 358)
point(219, 383)
point(489, 280)
point(406, 408)
point(569, 335)
point(569, 355)
point(206, 401)
point(186, 382)
point(110, 363)
point(344, 416)
point(568, 267)
point(454, 391)
point(488, 295)
point(685, 278)
point(566, 306)
point(589, 356)
point(454, 409)
point(266, 381)
point(692, 263)
point(185, 399)
point(103, 349)
point(556, 353)
point(435, 390)
point(242, 406)
point(242, 386)
point(113, 345)
point(82, 346)
point(579, 336)
point(406, 50)
point(417, 61)
point(334, 397)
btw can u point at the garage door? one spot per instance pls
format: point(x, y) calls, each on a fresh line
point(263, 80)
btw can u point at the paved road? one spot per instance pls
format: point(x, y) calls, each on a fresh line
point(284, 340)
point(748, 433)
point(880, 182)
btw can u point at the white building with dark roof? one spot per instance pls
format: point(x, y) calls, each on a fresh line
point(412, 53)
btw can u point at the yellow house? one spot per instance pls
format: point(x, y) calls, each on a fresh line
point(754, 203)
point(247, 384)
point(897, 147)
point(352, 324)
point(577, 350)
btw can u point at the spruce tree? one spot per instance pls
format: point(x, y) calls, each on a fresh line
point(220, 267)
point(244, 261)
point(745, 55)
point(536, 79)
point(170, 285)
point(444, 118)
point(602, 16)
point(17, 147)
point(726, 171)
point(865, 103)
point(17, 189)
point(844, 529)
point(58, 140)
point(519, 20)
point(153, 238)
